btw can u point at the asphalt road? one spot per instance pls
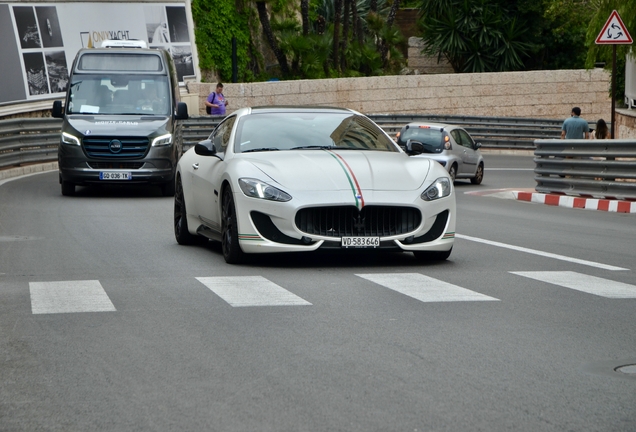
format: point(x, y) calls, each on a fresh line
point(106, 324)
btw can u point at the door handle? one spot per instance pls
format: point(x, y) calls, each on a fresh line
point(195, 166)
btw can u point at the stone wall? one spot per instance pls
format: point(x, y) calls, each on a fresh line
point(535, 94)
point(625, 124)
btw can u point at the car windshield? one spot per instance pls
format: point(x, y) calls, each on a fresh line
point(119, 94)
point(310, 131)
point(432, 139)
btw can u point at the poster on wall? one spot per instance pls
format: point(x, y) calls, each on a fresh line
point(40, 41)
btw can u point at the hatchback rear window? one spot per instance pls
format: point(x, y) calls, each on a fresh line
point(433, 139)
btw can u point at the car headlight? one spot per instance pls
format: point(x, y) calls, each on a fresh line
point(439, 189)
point(67, 138)
point(257, 189)
point(162, 140)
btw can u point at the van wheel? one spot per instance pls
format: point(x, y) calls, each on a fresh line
point(167, 189)
point(68, 188)
point(479, 175)
point(452, 172)
point(432, 255)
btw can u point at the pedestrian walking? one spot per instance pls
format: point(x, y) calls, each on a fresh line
point(575, 127)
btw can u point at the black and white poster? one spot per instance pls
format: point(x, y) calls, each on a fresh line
point(40, 40)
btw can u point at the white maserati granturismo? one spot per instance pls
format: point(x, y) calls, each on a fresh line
point(299, 179)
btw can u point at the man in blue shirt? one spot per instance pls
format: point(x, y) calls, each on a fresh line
point(575, 127)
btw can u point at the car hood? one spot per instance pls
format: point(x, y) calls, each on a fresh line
point(324, 170)
point(130, 125)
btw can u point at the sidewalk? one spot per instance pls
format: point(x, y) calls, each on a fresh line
point(588, 203)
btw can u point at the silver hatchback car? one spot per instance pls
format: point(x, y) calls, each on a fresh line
point(449, 145)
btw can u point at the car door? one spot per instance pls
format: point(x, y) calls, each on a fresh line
point(207, 176)
point(469, 155)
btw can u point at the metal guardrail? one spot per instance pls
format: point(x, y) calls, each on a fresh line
point(32, 140)
point(597, 168)
point(28, 140)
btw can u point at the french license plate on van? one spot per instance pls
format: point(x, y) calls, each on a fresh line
point(115, 175)
point(360, 242)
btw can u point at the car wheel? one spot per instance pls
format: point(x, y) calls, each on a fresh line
point(479, 175)
point(68, 188)
point(452, 172)
point(181, 232)
point(229, 231)
point(432, 255)
point(167, 189)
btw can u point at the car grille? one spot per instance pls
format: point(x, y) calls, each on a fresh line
point(115, 165)
point(131, 147)
point(348, 221)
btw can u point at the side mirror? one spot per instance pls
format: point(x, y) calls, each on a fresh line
point(477, 146)
point(205, 148)
point(182, 111)
point(58, 109)
point(414, 148)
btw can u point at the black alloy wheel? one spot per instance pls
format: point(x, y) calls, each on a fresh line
point(229, 231)
point(181, 232)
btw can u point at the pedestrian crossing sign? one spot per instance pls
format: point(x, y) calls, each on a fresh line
point(614, 31)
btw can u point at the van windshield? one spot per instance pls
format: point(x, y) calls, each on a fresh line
point(119, 94)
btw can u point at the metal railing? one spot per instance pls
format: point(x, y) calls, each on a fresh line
point(28, 140)
point(597, 168)
point(32, 140)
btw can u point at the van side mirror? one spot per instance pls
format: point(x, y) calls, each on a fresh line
point(58, 109)
point(182, 111)
point(414, 148)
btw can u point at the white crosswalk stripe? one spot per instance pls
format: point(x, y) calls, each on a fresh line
point(242, 291)
point(69, 297)
point(425, 288)
point(582, 282)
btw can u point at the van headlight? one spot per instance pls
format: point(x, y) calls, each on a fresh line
point(162, 140)
point(257, 189)
point(67, 138)
point(439, 189)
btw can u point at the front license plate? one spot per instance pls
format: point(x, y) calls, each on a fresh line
point(360, 242)
point(114, 175)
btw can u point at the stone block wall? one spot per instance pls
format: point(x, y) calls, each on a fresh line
point(534, 94)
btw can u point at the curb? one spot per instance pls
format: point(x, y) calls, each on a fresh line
point(27, 170)
point(600, 204)
point(587, 203)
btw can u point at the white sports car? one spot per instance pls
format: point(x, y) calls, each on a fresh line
point(292, 179)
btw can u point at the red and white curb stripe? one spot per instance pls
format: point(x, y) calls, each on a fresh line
point(608, 205)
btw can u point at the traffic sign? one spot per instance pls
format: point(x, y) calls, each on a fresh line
point(614, 31)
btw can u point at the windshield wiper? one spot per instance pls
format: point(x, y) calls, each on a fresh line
point(312, 147)
point(260, 149)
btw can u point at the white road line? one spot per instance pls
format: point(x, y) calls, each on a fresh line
point(582, 282)
point(242, 291)
point(69, 297)
point(541, 253)
point(424, 288)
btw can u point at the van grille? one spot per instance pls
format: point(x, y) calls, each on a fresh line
point(348, 221)
point(104, 147)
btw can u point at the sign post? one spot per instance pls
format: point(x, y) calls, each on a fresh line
point(614, 32)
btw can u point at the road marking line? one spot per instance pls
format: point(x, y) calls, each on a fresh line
point(243, 291)
point(582, 282)
point(541, 253)
point(69, 297)
point(424, 288)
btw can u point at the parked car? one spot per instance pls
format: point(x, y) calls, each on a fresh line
point(291, 179)
point(449, 145)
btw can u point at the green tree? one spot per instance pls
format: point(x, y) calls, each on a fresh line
point(474, 35)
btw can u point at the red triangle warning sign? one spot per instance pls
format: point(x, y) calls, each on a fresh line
point(614, 31)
